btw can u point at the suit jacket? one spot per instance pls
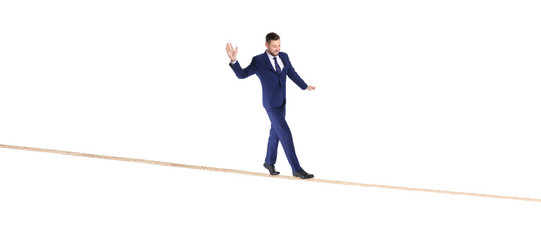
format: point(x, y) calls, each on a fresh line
point(273, 84)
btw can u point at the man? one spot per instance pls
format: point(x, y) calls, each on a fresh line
point(272, 67)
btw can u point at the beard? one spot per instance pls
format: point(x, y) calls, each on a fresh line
point(272, 53)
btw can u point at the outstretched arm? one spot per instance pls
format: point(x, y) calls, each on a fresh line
point(294, 76)
point(241, 73)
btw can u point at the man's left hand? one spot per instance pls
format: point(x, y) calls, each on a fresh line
point(310, 88)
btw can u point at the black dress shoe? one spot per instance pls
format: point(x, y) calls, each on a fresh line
point(271, 169)
point(303, 175)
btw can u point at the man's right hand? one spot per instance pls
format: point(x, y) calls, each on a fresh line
point(231, 52)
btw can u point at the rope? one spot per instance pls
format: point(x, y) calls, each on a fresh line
point(214, 169)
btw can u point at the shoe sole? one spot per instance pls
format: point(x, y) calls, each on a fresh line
point(303, 177)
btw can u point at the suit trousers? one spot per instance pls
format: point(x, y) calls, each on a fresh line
point(280, 132)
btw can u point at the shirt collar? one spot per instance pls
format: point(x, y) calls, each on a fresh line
point(272, 57)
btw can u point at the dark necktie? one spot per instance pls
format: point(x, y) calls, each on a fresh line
point(278, 70)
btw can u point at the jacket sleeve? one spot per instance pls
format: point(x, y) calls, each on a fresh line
point(244, 73)
point(294, 76)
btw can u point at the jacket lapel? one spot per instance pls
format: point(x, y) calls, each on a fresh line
point(269, 65)
point(286, 63)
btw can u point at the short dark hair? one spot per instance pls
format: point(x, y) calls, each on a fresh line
point(272, 36)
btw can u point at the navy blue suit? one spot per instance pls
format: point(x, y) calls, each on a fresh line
point(274, 101)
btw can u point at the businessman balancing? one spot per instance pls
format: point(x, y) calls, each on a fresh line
point(271, 68)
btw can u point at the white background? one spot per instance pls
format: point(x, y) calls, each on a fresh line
point(429, 94)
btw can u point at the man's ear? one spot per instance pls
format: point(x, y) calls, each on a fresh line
point(266, 44)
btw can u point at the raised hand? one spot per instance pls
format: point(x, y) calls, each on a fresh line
point(231, 52)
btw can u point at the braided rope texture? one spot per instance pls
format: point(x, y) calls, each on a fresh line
point(242, 172)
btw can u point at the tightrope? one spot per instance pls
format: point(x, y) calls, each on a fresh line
point(214, 169)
